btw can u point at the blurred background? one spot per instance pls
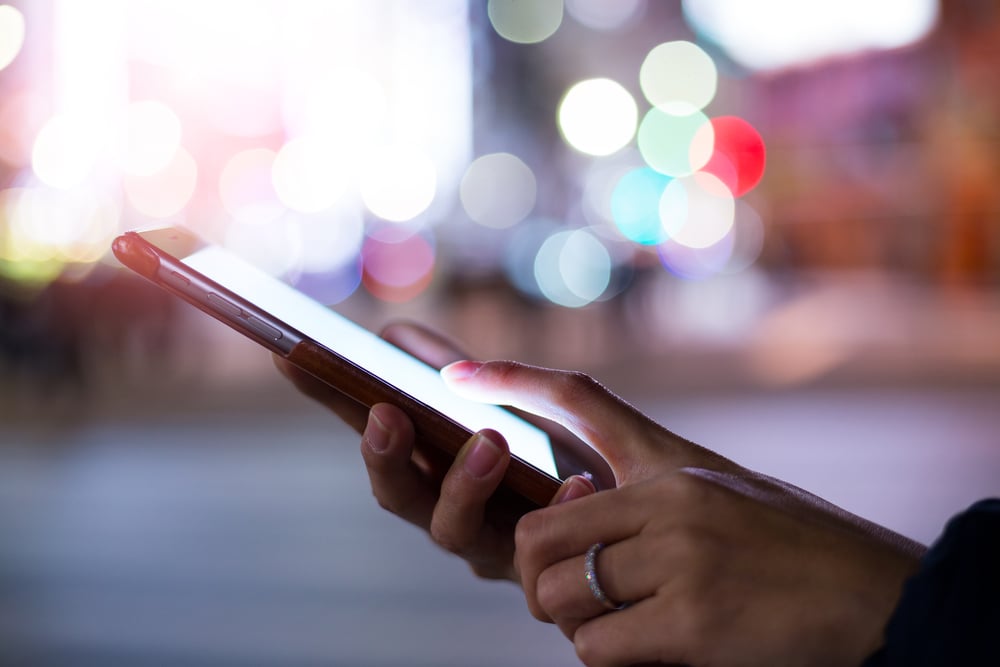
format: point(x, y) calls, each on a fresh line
point(772, 225)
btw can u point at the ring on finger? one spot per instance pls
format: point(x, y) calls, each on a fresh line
point(590, 574)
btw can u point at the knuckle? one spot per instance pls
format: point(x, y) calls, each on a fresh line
point(442, 535)
point(527, 530)
point(549, 592)
point(575, 386)
point(387, 503)
point(589, 646)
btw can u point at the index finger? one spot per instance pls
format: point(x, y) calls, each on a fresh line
point(632, 443)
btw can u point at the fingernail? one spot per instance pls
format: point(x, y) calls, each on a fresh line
point(460, 370)
point(483, 457)
point(376, 434)
point(575, 487)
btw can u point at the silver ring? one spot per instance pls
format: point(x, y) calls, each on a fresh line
point(590, 574)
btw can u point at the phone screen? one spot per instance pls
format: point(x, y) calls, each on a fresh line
point(366, 350)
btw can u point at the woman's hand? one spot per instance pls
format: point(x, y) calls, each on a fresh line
point(449, 502)
point(718, 565)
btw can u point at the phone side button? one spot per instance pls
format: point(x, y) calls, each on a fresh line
point(263, 328)
point(223, 306)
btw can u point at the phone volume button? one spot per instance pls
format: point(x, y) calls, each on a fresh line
point(263, 328)
point(224, 306)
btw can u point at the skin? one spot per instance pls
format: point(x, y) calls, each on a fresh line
point(720, 565)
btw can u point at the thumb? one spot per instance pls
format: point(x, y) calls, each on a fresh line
point(621, 434)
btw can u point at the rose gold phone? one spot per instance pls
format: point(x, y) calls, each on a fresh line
point(340, 352)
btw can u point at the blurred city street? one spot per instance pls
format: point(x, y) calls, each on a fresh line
point(772, 227)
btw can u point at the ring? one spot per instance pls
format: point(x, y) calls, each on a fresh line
point(590, 574)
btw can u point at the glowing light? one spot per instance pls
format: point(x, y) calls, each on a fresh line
point(635, 205)
point(65, 152)
point(11, 34)
point(498, 190)
point(343, 107)
point(246, 187)
point(525, 22)
point(597, 116)
point(678, 77)
point(572, 268)
point(330, 241)
point(668, 142)
point(604, 15)
point(58, 225)
point(707, 212)
point(520, 252)
point(274, 246)
point(22, 115)
point(748, 238)
point(154, 135)
point(168, 191)
point(398, 184)
point(696, 263)
point(397, 271)
point(738, 157)
point(309, 175)
point(756, 34)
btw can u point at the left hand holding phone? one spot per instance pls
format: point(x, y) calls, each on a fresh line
point(449, 502)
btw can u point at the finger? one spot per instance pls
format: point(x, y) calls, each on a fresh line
point(397, 482)
point(353, 413)
point(622, 434)
point(431, 347)
point(457, 522)
point(560, 532)
point(648, 632)
point(623, 572)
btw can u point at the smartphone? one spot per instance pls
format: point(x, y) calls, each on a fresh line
point(343, 354)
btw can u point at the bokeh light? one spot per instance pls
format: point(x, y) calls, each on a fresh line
point(309, 175)
point(343, 108)
point(757, 35)
point(748, 238)
point(398, 183)
point(154, 135)
point(46, 224)
point(635, 205)
point(696, 263)
point(65, 152)
point(498, 190)
point(698, 210)
point(166, 192)
point(668, 142)
point(520, 252)
point(330, 241)
point(11, 34)
point(246, 187)
point(678, 77)
point(572, 268)
point(525, 22)
point(605, 15)
point(738, 157)
point(597, 116)
point(397, 270)
point(22, 115)
point(274, 246)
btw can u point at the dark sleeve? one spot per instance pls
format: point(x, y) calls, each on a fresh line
point(949, 613)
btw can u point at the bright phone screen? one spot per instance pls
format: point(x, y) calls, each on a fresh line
point(370, 352)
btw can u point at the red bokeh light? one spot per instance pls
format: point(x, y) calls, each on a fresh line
point(739, 155)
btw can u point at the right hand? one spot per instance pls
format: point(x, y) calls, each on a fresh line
point(449, 502)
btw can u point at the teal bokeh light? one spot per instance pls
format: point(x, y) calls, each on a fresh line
point(635, 205)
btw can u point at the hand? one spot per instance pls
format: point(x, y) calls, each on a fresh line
point(719, 565)
point(447, 500)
